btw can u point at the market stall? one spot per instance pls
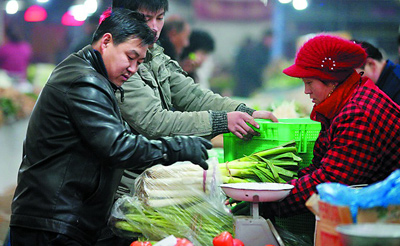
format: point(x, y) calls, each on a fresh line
point(183, 201)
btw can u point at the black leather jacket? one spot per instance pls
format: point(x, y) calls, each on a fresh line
point(76, 148)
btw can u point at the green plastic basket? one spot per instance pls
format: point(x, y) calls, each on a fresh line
point(303, 131)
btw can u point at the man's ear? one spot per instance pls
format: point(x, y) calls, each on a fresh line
point(106, 40)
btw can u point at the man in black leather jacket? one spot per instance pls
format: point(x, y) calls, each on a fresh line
point(77, 144)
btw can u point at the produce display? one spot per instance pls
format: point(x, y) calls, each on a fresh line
point(15, 105)
point(177, 184)
point(181, 200)
point(223, 239)
point(275, 165)
point(286, 110)
point(187, 202)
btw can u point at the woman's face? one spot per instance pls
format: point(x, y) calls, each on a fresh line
point(317, 90)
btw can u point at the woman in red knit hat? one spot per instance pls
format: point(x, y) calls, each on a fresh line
point(360, 136)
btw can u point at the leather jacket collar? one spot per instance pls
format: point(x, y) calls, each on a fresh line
point(96, 60)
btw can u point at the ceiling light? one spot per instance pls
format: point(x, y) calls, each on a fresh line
point(300, 4)
point(90, 6)
point(68, 19)
point(12, 7)
point(35, 13)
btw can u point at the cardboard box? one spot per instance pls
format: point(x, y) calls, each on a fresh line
point(330, 216)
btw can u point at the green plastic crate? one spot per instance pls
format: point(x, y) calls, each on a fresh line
point(303, 131)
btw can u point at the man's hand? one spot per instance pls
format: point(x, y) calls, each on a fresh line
point(264, 115)
point(187, 148)
point(237, 124)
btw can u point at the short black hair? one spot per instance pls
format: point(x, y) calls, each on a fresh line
point(199, 40)
point(136, 5)
point(174, 23)
point(124, 24)
point(371, 50)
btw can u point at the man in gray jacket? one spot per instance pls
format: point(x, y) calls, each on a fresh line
point(77, 144)
point(161, 100)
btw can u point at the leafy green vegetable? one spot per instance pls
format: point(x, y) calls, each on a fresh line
point(8, 107)
point(276, 165)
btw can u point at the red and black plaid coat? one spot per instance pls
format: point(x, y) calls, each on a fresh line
point(360, 145)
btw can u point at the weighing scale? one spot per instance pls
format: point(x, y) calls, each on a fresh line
point(254, 230)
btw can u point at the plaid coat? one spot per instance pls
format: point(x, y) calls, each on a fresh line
point(360, 145)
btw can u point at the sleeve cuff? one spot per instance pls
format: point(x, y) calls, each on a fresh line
point(243, 108)
point(219, 122)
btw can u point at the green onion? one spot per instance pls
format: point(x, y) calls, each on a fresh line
point(276, 165)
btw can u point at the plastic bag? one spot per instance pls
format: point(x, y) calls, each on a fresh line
point(181, 200)
point(292, 239)
point(380, 194)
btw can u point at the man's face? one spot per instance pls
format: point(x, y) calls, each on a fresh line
point(181, 40)
point(155, 20)
point(122, 61)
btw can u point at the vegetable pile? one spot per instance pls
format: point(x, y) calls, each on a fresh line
point(185, 201)
point(177, 184)
point(180, 200)
point(275, 165)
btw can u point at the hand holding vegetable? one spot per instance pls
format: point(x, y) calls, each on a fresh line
point(187, 148)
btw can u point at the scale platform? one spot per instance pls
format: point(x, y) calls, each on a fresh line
point(254, 230)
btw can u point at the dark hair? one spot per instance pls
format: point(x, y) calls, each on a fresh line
point(136, 5)
point(199, 40)
point(124, 24)
point(174, 23)
point(371, 50)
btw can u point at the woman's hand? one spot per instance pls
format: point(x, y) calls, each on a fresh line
point(264, 115)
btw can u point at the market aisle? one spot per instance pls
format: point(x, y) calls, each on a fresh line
point(11, 138)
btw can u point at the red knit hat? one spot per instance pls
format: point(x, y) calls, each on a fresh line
point(327, 58)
